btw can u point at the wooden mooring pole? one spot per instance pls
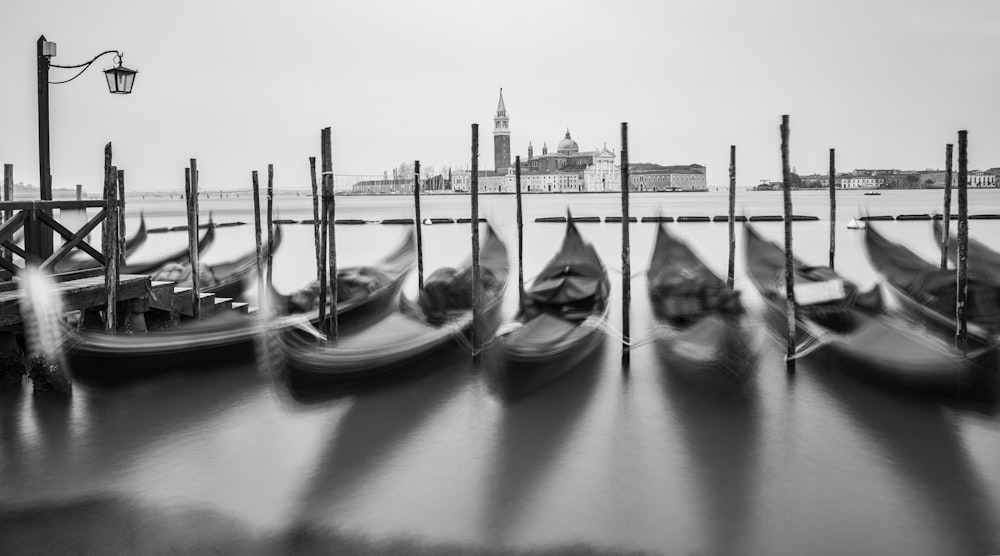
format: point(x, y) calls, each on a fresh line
point(786, 174)
point(8, 195)
point(317, 234)
point(121, 216)
point(520, 232)
point(833, 208)
point(946, 218)
point(330, 209)
point(626, 255)
point(110, 243)
point(419, 224)
point(731, 274)
point(260, 256)
point(962, 294)
point(270, 224)
point(193, 254)
point(476, 282)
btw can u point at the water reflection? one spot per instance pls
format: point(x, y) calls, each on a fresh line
point(922, 446)
point(377, 422)
point(114, 428)
point(719, 429)
point(533, 430)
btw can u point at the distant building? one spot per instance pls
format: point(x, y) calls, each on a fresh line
point(653, 177)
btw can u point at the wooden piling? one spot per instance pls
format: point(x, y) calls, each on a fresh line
point(833, 208)
point(731, 275)
point(962, 293)
point(110, 244)
point(316, 223)
point(520, 233)
point(260, 256)
point(946, 223)
point(317, 233)
point(420, 237)
point(193, 254)
point(626, 254)
point(121, 215)
point(270, 224)
point(8, 195)
point(786, 175)
point(474, 222)
point(329, 199)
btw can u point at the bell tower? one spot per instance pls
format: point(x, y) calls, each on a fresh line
point(501, 137)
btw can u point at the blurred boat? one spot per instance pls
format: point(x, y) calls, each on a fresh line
point(983, 261)
point(440, 318)
point(179, 256)
point(561, 322)
point(365, 294)
point(228, 279)
point(101, 359)
point(83, 261)
point(928, 293)
point(699, 328)
point(852, 326)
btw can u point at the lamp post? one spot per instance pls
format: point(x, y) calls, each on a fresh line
point(120, 80)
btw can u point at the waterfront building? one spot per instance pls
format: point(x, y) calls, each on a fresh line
point(653, 177)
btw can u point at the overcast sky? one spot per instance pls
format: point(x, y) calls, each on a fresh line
point(239, 84)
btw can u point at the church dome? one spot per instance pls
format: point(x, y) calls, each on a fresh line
point(567, 145)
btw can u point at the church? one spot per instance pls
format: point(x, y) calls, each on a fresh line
point(567, 170)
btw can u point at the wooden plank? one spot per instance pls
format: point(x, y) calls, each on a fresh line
point(39, 205)
point(76, 295)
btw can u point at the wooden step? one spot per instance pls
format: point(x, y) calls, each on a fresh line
point(241, 307)
point(222, 304)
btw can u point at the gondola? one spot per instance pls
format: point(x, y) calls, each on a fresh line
point(440, 318)
point(365, 294)
point(228, 279)
point(102, 359)
point(862, 339)
point(699, 331)
point(983, 261)
point(561, 321)
point(85, 261)
point(928, 294)
point(178, 256)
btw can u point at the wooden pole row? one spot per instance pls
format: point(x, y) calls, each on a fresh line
point(8, 195)
point(520, 233)
point(786, 175)
point(947, 206)
point(833, 209)
point(731, 274)
point(476, 284)
point(257, 236)
point(121, 216)
point(626, 255)
point(270, 225)
point(333, 330)
point(191, 189)
point(420, 237)
point(110, 243)
point(962, 293)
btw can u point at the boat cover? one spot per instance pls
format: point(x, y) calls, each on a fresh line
point(448, 289)
point(766, 265)
point(680, 284)
point(574, 277)
point(927, 284)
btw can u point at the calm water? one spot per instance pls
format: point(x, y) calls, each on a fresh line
point(605, 460)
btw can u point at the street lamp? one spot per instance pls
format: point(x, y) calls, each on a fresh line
point(120, 80)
